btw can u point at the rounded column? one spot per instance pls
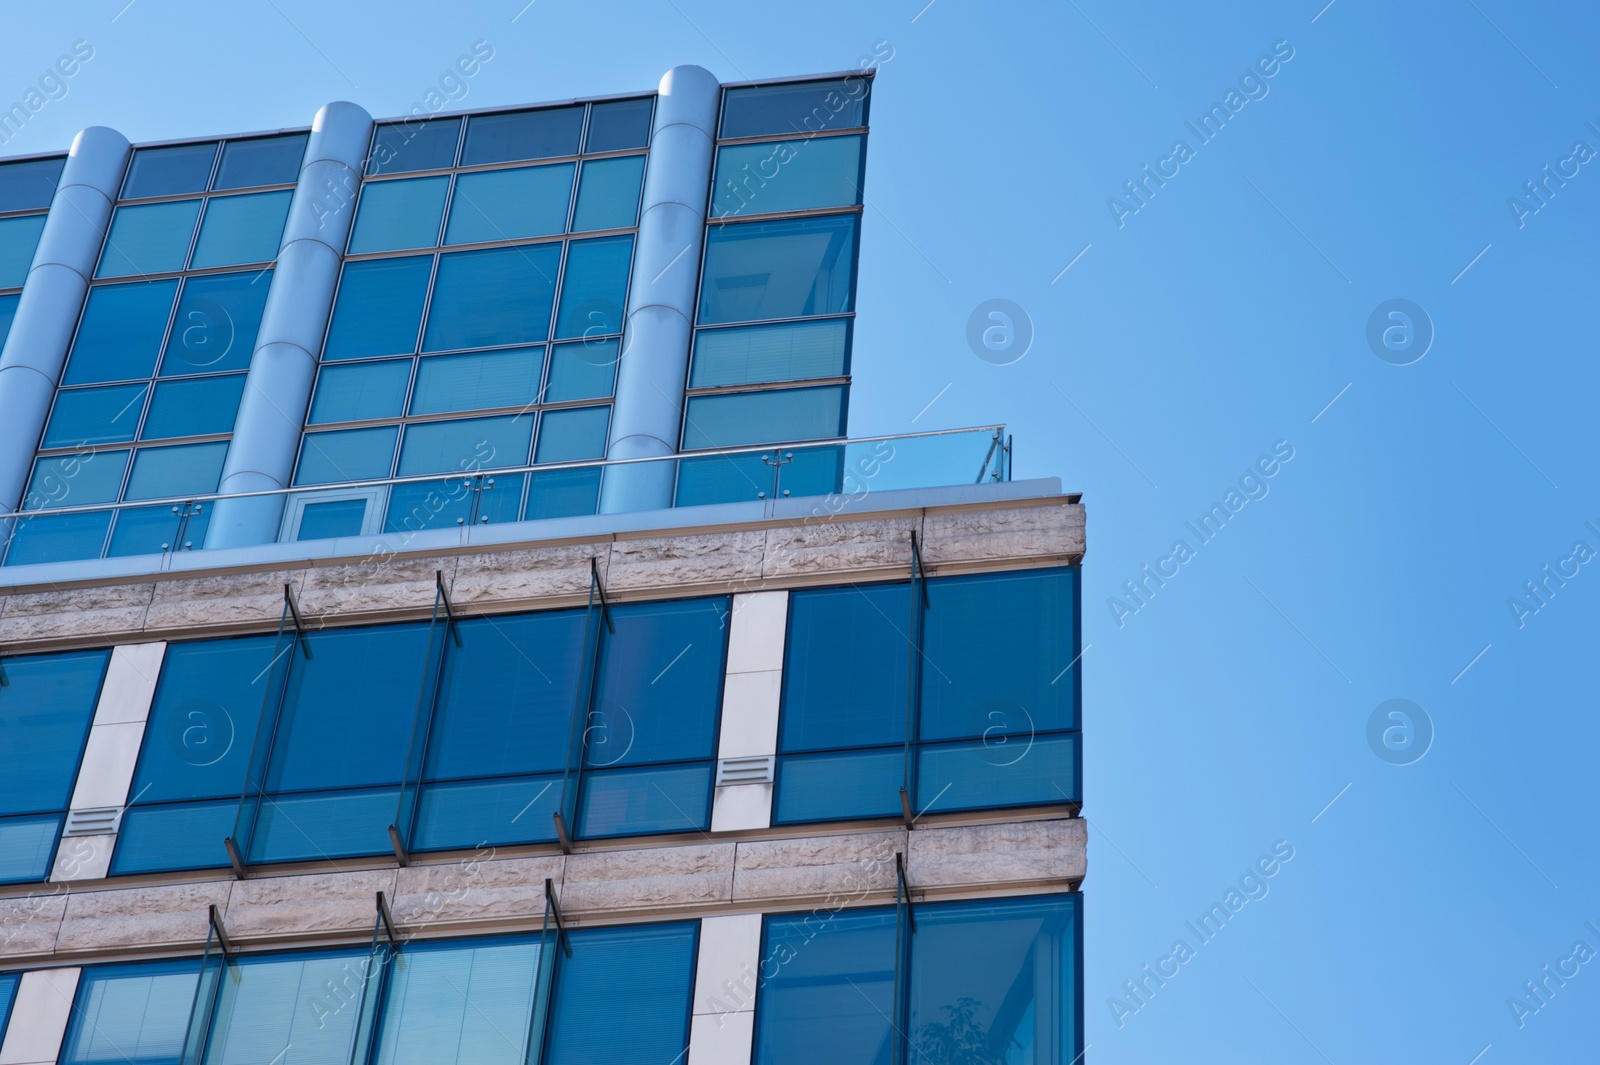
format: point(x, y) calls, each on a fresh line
point(283, 367)
point(52, 299)
point(648, 412)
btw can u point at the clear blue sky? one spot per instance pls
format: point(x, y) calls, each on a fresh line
point(1177, 350)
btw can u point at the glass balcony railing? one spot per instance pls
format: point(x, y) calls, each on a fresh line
point(837, 471)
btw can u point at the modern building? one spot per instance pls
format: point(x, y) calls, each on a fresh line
point(444, 618)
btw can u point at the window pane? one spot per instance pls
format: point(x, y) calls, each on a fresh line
point(339, 517)
point(169, 171)
point(660, 683)
point(487, 813)
point(595, 287)
point(762, 270)
point(998, 975)
point(723, 479)
point(788, 351)
point(459, 1004)
point(268, 1005)
point(859, 633)
point(185, 835)
point(8, 988)
point(994, 650)
point(360, 391)
point(241, 229)
point(562, 493)
point(351, 455)
point(150, 530)
point(8, 312)
point(467, 443)
point(522, 135)
point(763, 417)
point(573, 435)
point(131, 1013)
point(18, 239)
point(833, 998)
point(76, 480)
point(339, 824)
point(619, 124)
point(196, 407)
point(217, 321)
point(152, 238)
point(841, 785)
point(95, 415)
point(160, 472)
point(379, 308)
point(58, 538)
point(399, 214)
point(401, 146)
point(449, 383)
point(25, 847)
point(30, 184)
point(45, 708)
point(261, 161)
point(645, 972)
point(582, 371)
point(507, 204)
point(1008, 768)
point(121, 332)
point(796, 175)
point(801, 107)
point(494, 297)
point(429, 505)
point(631, 802)
point(608, 198)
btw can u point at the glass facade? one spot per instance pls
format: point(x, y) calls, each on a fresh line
point(47, 703)
point(26, 189)
point(962, 691)
point(146, 404)
point(478, 319)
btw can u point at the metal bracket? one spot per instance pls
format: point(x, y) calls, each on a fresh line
point(562, 835)
point(905, 808)
point(388, 919)
point(918, 570)
point(222, 933)
point(401, 855)
point(600, 590)
point(449, 611)
point(555, 911)
point(905, 889)
point(240, 870)
point(294, 612)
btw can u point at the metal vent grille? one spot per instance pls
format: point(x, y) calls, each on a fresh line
point(100, 821)
point(755, 769)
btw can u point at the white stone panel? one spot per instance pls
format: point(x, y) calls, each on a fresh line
point(39, 1017)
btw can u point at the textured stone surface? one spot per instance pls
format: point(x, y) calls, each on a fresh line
point(305, 905)
point(1051, 532)
point(997, 854)
point(837, 545)
point(473, 890)
point(373, 584)
point(704, 558)
point(158, 915)
point(817, 866)
point(644, 879)
point(233, 598)
point(28, 923)
point(74, 612)
point(520, 576)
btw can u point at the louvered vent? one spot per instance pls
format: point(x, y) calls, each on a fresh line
point(756, 769)
point(101, 821)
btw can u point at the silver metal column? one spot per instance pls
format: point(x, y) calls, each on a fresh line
point(52, 299)
point(266, 435)
point(648, 412)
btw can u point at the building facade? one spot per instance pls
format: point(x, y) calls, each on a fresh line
point(445, 618)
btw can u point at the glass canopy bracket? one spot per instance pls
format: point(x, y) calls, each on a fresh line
point(566, 817)
point(997, 463)
point(919, 606)
point(776, 460)
point(183, 512)
point(555, 916)
point(905, 926)
point(207, 989)
point(374, 979)
point(422, 721)
point(477, 485)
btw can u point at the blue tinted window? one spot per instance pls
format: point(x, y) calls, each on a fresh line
point(608, 197)
point(508, 204)
point(57, 538)
point(18, 239)
point(170, 836)
point(562, 493)
point(26, 844)
point(162, 472)
point(351, 455)
point(759, 417)
point(450, 383)
point(619, 124)
point(1009, 767)
point(261, 161)
point(151, 238)
point(241, 229)
point(399, 214)
point(522, 135)
point(796, 107)
point(594, 288)
point(797, 175)
point(833, 998)
point(46, 704)
point(461, 1003)
point(494, 297)
point(582, 371)
point(360, 391)
point(296, 1007)
point(860, 633)
point(131, 1013)
point(660, 683)
point(8, 989)
point(573, 435)
point(840, 785)
point(401, 146)
point(121, 332)
point(763, 270)
point(30, 184)
point(379, 308)
point(787, 351)
point(217, 321)
point(195, 407)
point(338, 517)
point(169, 171)
point(76, 480)
point(465, 444)
point(8, 312)
point(645, 971)
point(95, 415)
